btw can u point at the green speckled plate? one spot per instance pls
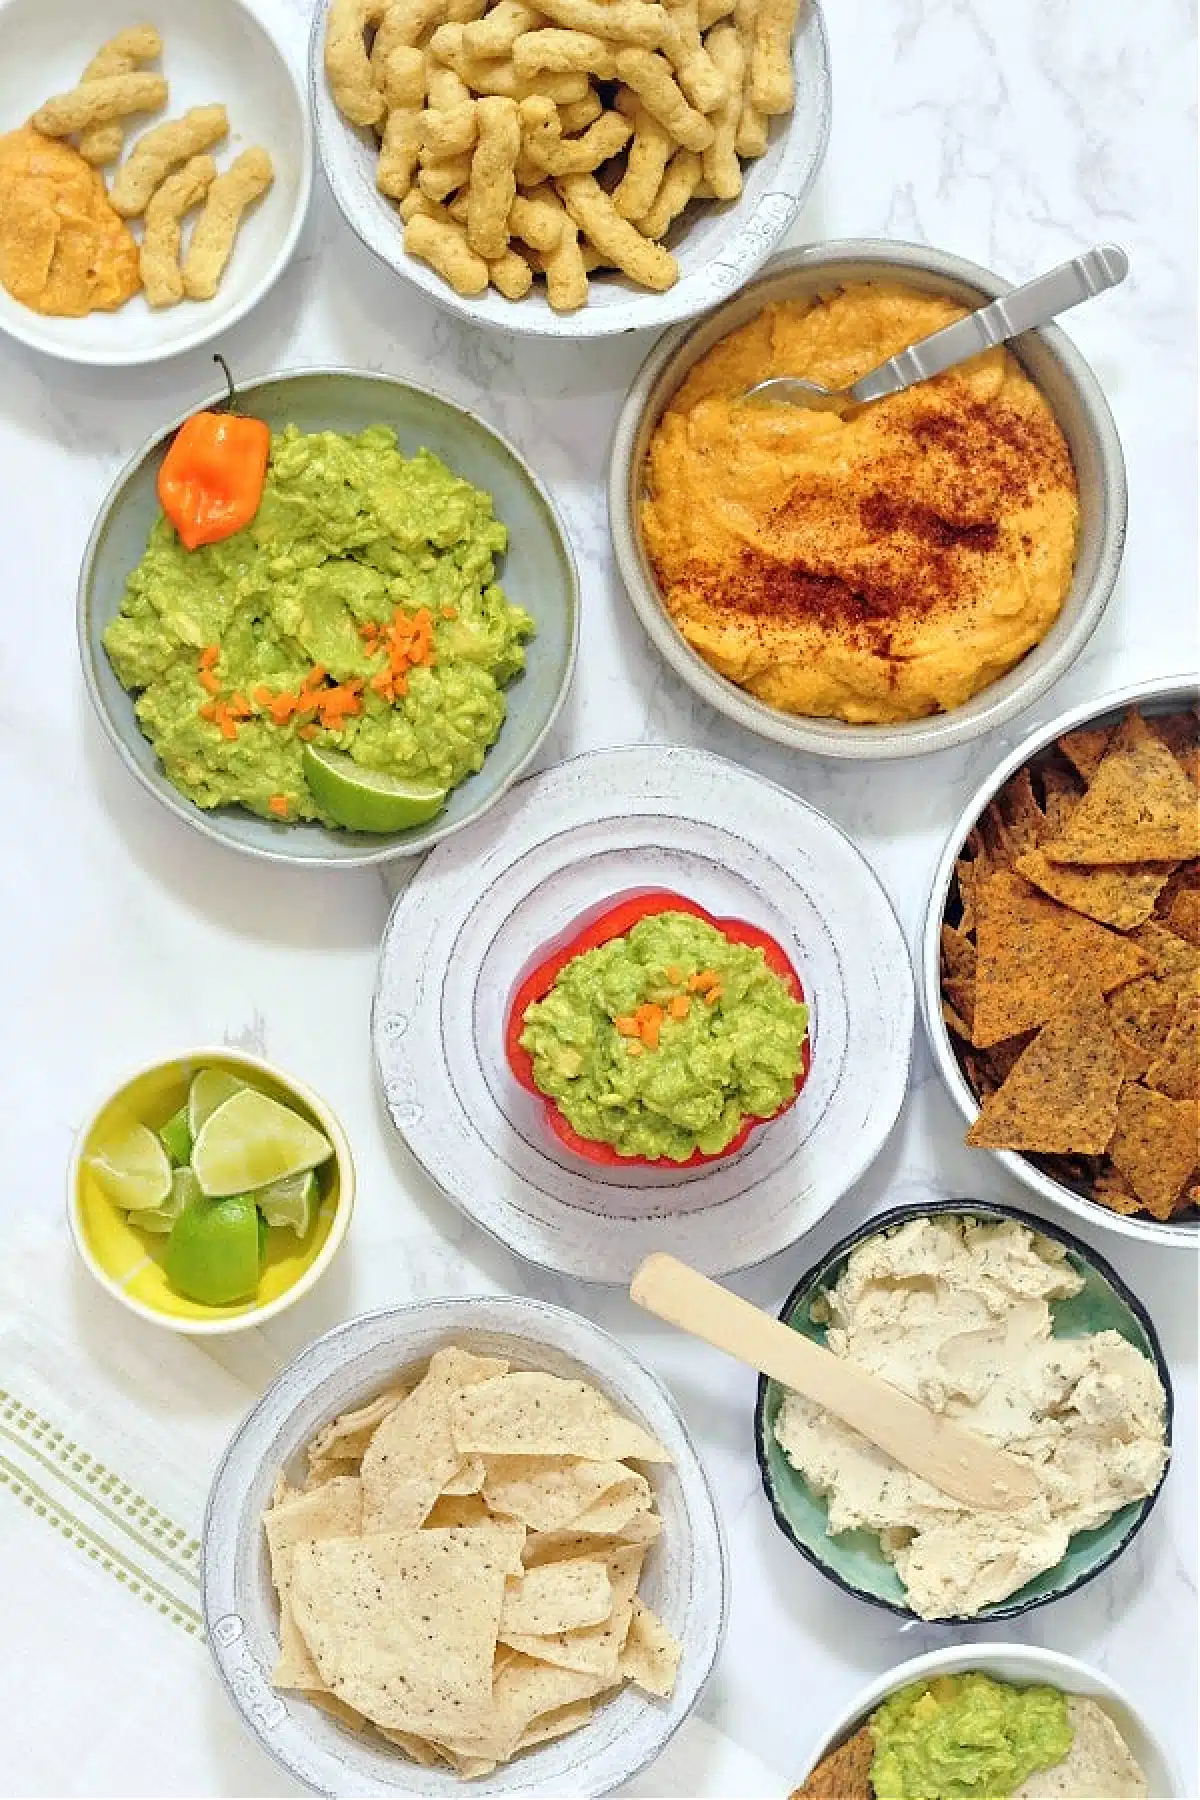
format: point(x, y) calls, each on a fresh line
point(854, 1560)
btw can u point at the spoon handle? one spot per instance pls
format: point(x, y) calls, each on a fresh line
point(956, 1460)
point(1023, 308)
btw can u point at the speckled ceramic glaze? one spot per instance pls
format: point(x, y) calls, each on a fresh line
point(854, 1559)
point(537, 571)
point(684, 1578)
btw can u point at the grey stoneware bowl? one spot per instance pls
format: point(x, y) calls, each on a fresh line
point(537, 571)
point(1168, 693)
point(854, 1560)
point(1048, 357)
point(684, 1578)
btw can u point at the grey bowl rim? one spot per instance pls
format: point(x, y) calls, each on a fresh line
point(458, 307)
point(533, 1307)
point(193, 815)
point(837, 739)
point(928, 957)
point(888, 1220)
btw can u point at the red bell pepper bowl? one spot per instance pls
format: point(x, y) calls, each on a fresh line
point(614, 922)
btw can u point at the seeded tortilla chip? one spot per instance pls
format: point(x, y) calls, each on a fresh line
point(1024, 819)
point(1136, 1057)
point(413, 1454)
point(525, 1690)
point(403, 1626)
point(1031, 952)
point(1085, 748)
point(596, 1650)
point(333, 1510)
point(954, 1019)
point(346, 1438)
point(845, 1774)
point(559, 1546)
point(1144, 1010)
point(651, 1654)
point(618, 1512)
point(958, 955)
point(1156, 1146)
point(451, 1510)
point(555, 1724)
point(533, 1414)
point(1139, 807)
point(561, 1596)
point(1176, 1072)
point(467, 1479)
point(1062, 791)
point(1184, 916)
point(1172, 956)
point(1121, 895)
point(418, 1749)
point(1180, 732)
point(964, 875)
point(1062, 1093)
point(337, 1709)
point(1111, 1189)
point(547, 1492)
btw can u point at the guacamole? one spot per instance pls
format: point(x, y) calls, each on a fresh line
point(965, 1736)
point(663, 1042)
point(358, 611)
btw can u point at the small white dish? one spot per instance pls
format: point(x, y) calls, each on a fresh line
point(484, 905)
point(1166, 693)
point(684, 1578)
point(218, 50)
point(1022, 1664)
point(718, 246)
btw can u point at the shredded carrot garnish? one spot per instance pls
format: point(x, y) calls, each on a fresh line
point(702, 980)
point(263, 695)
point(714, 994)
point(209, 681)
point(209, 712)
point(308, 733)
point(449, 612)
point(680, 1007)
point(627, 1025)
point(314, 678)
point(240, 707)
point(282, 707)
point(210, 655)
point(228, 728)
point(278, 804)
point(675, 974)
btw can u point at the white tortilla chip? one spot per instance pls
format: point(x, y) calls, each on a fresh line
point(334, 1510)
point(555, 1724)
point(555, 1546)
point(337, 1709)
point(548, 1493)
point(523, 1692)
point(651, 1654)
point(561, 1596)
point(618, 1510)
point(596, 1650)
point(417, 1749)
point(346, 1437)
point(412, 1454)
point(403, 1627)
point(467, 1479)
point(1099, 1762)
point(532, 1414)
point(456, 1509)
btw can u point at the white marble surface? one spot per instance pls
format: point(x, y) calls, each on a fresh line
point(1014, 134)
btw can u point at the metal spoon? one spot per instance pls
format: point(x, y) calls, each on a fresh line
point(1021, 309)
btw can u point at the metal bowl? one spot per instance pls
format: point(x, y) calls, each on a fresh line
point(1023, 1665)
point(538, 570)
point(1166, 693)
point(685, 1574)
point(1049, 358)
point(717, 246)
point(854, 1562)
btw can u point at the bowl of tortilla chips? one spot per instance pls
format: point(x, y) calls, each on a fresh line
point(1061, 962)
point(464, 1539)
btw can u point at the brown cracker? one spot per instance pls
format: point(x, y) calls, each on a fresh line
point(845, 1774)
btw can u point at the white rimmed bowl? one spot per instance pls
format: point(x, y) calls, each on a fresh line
point(684, 1577)
point(1165, 694)
point(717, 248)
point(1023, 1665)
point(220, 50)
point(537, 571)
point(1049, 358)
point(127, 1262)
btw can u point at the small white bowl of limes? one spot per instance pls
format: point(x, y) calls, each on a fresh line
point(210, 1192)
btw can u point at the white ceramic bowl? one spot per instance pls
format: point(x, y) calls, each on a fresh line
point(717, 246)
point(1167, 693)
point(1049, 358)
point(216, 50)
point(1022, 1664)
point(684, 1578)
point(119, 1258)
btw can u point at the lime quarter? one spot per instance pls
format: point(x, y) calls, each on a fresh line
point(132, 1167)
point(210, 1087)
point(252, 1141)
point(184, 1189)
point(176, 1136)
point(367, 799)
point(212, 1253)
point(291, 1202)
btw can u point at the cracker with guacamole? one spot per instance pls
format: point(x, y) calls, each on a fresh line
point(459, 1573)
point(343, 657)
point(1071, 964)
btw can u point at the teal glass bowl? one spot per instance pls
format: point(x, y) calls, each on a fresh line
point(854, 1559)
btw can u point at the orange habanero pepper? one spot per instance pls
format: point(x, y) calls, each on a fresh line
point(211, 480)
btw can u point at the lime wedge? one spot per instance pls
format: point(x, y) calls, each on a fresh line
point(251, 1141)
point(132, 1167)
point(290, 1202)
point(176, 1137)
point(184, 1189)
point(367, 799)
point(213, 1251)
point(210, 1088)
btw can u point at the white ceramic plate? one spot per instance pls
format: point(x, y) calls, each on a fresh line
point(684, 1578)
point(213, 50)
point(718, 247)
point(474, 920)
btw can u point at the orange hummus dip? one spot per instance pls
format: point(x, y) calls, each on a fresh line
point(63, 249)
point(873, 567)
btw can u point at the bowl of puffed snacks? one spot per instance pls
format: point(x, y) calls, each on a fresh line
point(464, 1540)
point(571, 168)
point(155, 172)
